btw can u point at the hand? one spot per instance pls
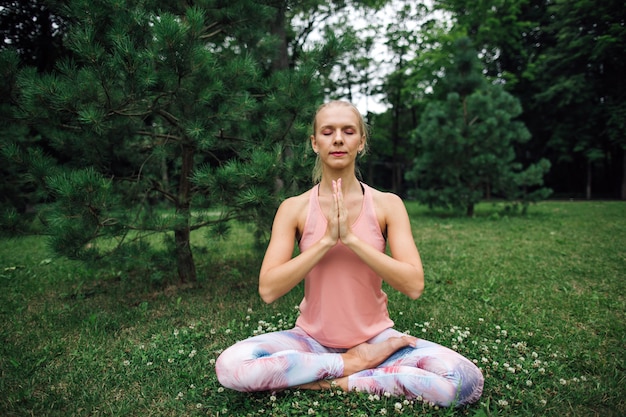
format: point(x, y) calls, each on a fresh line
point(342, 212)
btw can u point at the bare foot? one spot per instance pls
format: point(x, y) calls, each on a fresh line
point(325, 384)
point(360, 357)
point(370, 355)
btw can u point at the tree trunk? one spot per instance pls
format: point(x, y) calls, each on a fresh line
point(588, 185)
point(470, 210)
point(281, 59)
point(184, 256)
point(623, 193)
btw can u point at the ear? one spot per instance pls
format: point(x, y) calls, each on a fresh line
point(313, 143)
point(362, 144)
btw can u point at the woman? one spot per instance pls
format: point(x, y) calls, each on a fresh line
point(344, 336)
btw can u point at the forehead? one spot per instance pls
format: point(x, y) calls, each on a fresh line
point(337, 116)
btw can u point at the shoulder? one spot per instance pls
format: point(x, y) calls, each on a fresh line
point(292, 211)
point(296, 203)
point(390, 210)
point(386, 202)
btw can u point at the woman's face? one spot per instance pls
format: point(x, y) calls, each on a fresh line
point(337, 138)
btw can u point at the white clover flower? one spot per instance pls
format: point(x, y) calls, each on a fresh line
point(199, 406)
point(529, 383)
point(227, 331)
point(383, 412)
point(179, 396)
point(272, 398)
point(310, 411)
point(126, 362)
point(170, 360)
point(211, 361)
point(192, 353)
point(180, 351)
point(176, 332)
point(543, 402)
point(148, 363)
point(503, 403)
point(480, 319)
point(398, 406)
point(542, 370)
point(387, 394)
point(562, 381)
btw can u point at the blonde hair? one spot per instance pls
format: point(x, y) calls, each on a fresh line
point(363, 127)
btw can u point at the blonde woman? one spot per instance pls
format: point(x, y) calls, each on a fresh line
point(344, 336)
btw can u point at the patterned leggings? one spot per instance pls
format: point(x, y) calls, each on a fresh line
point(279, 360)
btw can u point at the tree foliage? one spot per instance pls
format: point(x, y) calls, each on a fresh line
point(465, 142)
point(564, 60)
point(167, 119)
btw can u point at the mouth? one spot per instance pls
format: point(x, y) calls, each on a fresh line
point(338, 154)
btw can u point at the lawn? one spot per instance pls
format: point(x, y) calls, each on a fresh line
point(537, 301)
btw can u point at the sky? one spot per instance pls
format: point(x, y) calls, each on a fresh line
point(380, 52)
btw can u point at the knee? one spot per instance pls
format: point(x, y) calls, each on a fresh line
point(226, 368)
point(471, 385)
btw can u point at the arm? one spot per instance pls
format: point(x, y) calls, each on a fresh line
point(403, 269)
point(279, 271)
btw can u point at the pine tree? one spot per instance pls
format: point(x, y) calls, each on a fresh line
point(466, 141)
point(167, 119)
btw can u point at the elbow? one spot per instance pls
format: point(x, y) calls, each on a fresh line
point(417, 291)
point(267, 295)
point(267, 299)
point(415, 294)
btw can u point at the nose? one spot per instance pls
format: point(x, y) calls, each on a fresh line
point(338, 136)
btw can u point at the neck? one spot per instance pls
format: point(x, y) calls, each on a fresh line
point(350, 184)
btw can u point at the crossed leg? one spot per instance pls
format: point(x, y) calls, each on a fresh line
point(390, 362)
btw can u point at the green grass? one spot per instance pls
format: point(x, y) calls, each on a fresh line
point(537, 301)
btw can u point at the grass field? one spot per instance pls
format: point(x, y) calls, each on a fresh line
point(538, 301)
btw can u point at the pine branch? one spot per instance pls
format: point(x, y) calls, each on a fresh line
point(159, 135)
point(169, 117)
point(214, 32)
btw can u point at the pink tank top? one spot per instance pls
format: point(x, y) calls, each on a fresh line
point(344, 304)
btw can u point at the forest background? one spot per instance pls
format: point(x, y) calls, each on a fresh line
point(144, 139)
point(123, 120)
